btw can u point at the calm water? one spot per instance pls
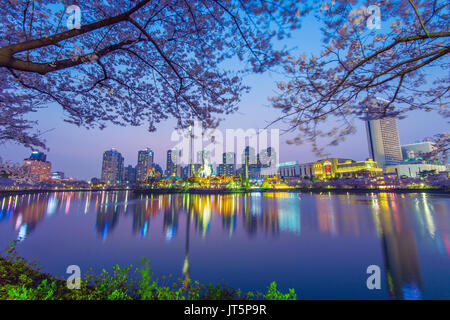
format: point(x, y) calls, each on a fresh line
point(319, 244)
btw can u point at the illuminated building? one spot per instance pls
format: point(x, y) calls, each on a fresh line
point(130, 174)
point(289, 169)
point(382, 134)
point(173, 167)
point(57, 175)
point(267, 162)
point(190, 170)
point(204, 160)
point(228, 167)
point(250, 168)
point(292, 169)
point(36, 155)
point(345, 168)
point(37, 167)
point(144, 164)
point(266, 157)
point(413, 170)
point(306, 170)
point(112, 167)
point(95, 181)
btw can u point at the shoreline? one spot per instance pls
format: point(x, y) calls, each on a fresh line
point(139, 191)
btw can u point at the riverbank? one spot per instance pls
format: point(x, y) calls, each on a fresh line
point(23, 280)
point(236, 191)
point(293, 190)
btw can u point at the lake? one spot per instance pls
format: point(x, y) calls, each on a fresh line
point(318, 244)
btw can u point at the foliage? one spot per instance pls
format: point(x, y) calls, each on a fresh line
point(19, 174)
point(441, 143)
point(274, 294)
point(403, 63)
point(23, 280)
point(134, 62)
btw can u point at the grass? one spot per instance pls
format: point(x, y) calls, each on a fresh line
point(21, 279)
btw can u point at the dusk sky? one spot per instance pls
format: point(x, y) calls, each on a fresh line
point(78, 151)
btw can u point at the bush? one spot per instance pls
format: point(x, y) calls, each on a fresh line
point(23, 280)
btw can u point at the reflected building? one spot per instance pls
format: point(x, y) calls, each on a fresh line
point(326, 215)
point(142, 213)
point(399, 246)
point(226, 206)
point(228, 166)
point(289, 213)
point(107, 214)
point(270, 210)
point(250, 219)
point(202, 207)
point(28, 215)
point(171, 209)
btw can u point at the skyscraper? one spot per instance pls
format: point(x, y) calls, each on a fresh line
point(130, 174)
point(173, 166)
point(267, 161)
point(204, 162)
point(112, 167)
point(37, 167)
point(144, 164)
point(228, 167)
point(382, 134)
point(250, 167)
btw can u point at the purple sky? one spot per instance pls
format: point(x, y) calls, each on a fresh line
point(78, 151)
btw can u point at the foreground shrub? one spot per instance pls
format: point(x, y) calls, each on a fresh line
point(24, 280)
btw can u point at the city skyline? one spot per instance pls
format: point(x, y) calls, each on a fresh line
point(90, 166)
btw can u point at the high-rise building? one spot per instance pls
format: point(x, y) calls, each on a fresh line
point(144, 164)
point(228, 167)
point(250, 167)
point(190, 170)
point(249, 156)
point(265, 157)
point(173, 166)
point(130, 174)
point(204, 161)
point(112, 167)
point(382, 134)
point(267, 161)
point(37, 167)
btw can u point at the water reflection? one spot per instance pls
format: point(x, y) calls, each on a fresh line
point(404, 224)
